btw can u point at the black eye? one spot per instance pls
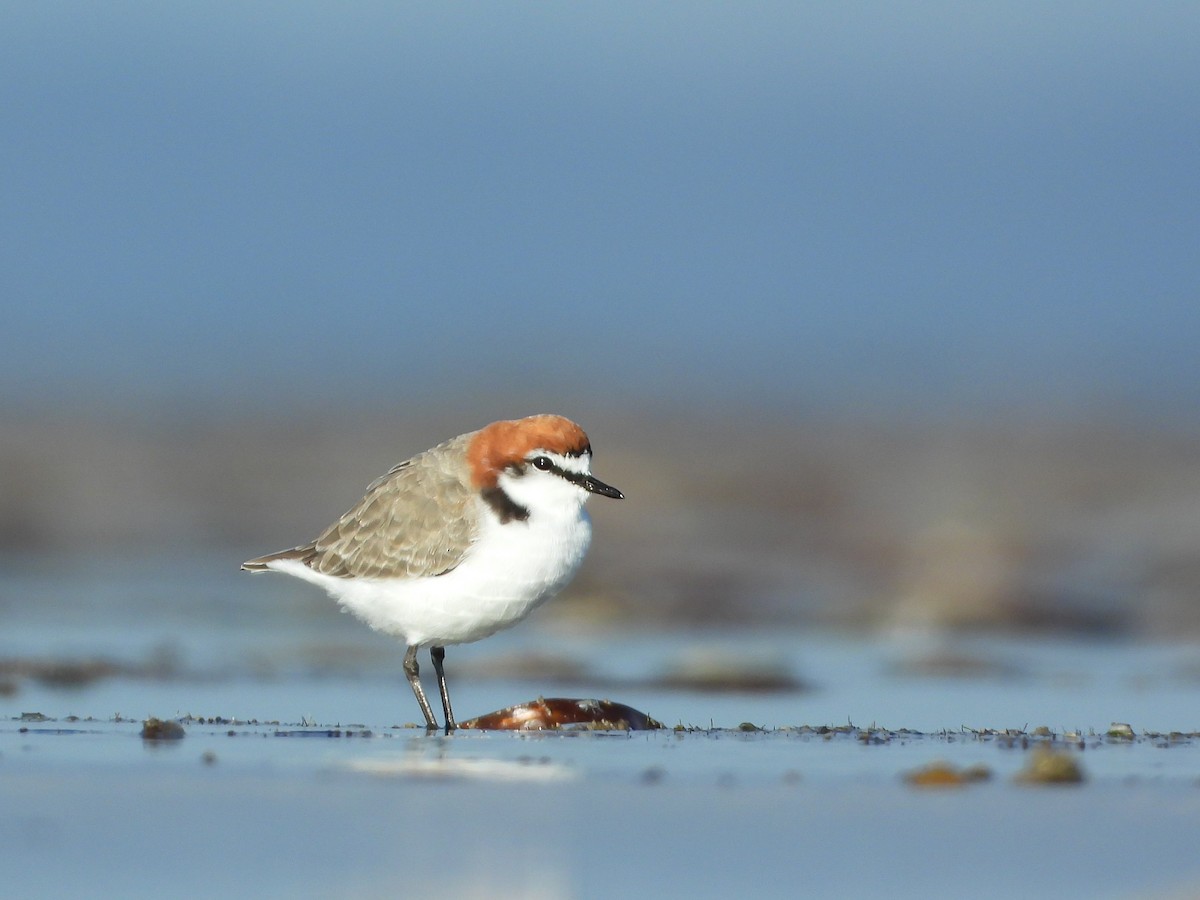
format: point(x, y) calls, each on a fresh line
point(543, 463)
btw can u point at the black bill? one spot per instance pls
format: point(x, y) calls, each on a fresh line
point(594, 485)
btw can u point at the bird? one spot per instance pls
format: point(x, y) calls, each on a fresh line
point(458, 542)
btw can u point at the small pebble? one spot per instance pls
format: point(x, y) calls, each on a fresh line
point(161, 730)
point(942, 774)
point(1048, 766)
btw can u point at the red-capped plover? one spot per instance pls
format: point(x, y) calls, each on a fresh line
point(460, 541)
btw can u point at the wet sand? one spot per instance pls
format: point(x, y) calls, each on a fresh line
point(290, 809)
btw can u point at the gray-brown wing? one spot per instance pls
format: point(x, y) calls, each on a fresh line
point(417, 520)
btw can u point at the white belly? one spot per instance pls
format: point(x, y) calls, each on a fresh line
point(511, 570)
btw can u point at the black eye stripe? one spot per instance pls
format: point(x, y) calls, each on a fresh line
point(546, 464)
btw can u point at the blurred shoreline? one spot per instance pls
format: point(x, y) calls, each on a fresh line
point(1075, 527)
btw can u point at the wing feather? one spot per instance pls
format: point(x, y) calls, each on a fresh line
point(417, 521)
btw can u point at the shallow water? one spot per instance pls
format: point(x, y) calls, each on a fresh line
point(310, 787)
point(239, 809)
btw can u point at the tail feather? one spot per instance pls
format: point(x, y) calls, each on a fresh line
point(263, 563)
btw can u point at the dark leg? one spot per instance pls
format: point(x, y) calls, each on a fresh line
point(413, 672)
point(437, 654)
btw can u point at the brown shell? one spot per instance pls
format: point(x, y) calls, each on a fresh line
point(564, 713)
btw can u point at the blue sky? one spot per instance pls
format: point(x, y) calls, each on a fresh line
point(806, 206)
